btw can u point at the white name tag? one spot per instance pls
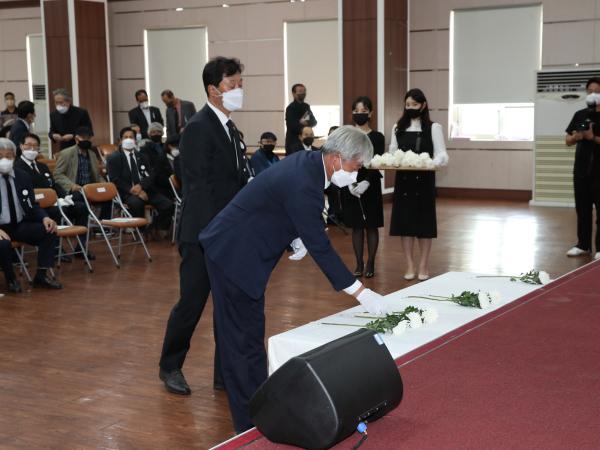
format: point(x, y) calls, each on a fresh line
point(101, 189)
point(39, 196)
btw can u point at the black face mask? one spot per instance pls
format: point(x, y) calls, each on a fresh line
point(156, 138)
point(268, 148)
point(85, 145)
point(360, 118)
point(412, 113)
point(308, 141)
point(301, 97)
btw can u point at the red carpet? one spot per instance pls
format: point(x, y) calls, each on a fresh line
point(524, 376)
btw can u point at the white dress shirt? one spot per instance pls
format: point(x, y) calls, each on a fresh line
point(30, 164)
point(223, 118)
point(440, 155)
point(146, 112)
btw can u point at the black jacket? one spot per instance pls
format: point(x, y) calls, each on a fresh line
point(41, 180)
point(119, 173)
point(297, 147)
point(293, 114)
point(136, 116)
point(187, 110)
point(209, 172)
point(68, 122)
point(31, 210)
point(159, 165)
point(17, 131)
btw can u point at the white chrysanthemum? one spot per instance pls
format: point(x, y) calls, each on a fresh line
point(430, 315)
point(424, 156)
point(400, 328)
point(495, 297)
point(544, 277)
point(375, 162)
point(430, 165)
point(484, 300)
point(415, 320)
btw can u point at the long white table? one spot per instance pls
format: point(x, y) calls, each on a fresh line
point(284, 346)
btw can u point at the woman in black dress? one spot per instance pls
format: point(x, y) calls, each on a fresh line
point(413, 210)
point(362, 202)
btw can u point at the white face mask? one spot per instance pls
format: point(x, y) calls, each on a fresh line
point(30, 154)
point(593, 99)
point(144, 105)
point(342, 178)
point(128, 144)
point(6, 165)
point(233, 99)
point(62, 109)
point(174, 152)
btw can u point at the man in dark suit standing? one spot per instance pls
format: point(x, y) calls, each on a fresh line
point(130, 171)
point(179, 112)
point(26, 116)
point(144, 114)
point(66, 119)
point(297, 115)
point(213, 171)
point(243, 243)
point(21, 219)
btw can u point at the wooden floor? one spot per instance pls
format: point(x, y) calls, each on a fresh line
point(78, 368)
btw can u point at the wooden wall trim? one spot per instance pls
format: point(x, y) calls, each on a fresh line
point(512, 195)
point(20, 4)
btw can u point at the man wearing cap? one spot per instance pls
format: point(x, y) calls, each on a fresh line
point(21, 219)
point(264, 157)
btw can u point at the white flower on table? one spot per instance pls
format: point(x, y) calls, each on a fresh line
point(430, 315)
point(415, 320)
point(484, 300)
point(544, 277)
point(495, 297)
point(400, 328)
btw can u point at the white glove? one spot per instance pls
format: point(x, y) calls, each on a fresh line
point(67, 201)
point(372, 301)
point(362, 187)
point(299, 250)
point(440, 159)
point(353, 188)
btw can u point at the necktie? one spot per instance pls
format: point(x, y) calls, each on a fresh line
point(35, 167)
point(11, 201)
point(177, 124)
point(135, 175)
point(234, 140)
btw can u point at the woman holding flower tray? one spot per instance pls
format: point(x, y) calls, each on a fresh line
point(413, 210)
point(362, 202)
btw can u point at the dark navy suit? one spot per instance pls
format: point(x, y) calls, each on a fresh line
point(29, 230)
point(242, 245)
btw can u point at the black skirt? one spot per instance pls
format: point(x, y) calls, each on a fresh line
point(366, 211)
point(413, 210)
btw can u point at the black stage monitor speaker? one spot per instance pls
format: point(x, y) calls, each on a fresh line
point(317, 399)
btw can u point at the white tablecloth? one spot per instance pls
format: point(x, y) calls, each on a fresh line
point(284, 346)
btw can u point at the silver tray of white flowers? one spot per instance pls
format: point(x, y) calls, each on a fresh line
point(402, 160)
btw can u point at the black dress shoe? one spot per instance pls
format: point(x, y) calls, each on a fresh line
point(358, 272)
point(90, 255)
point(175, 382)
point(46, 282)
point(370, 272)
point(14, 286)
point(218, 386)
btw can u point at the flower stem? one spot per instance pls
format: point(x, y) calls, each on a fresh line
point(342, 324)
point(441, 299)
point(496, 276)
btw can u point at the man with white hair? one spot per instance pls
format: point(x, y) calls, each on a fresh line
point(67, 118)
point(21, 219)
point(154, 152)
point(243, 243)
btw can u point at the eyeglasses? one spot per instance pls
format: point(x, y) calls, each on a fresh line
point(30, 147)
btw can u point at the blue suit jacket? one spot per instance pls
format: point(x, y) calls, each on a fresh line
point(247, 238)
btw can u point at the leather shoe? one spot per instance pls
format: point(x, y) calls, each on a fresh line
point(14, 286)
point(218, 386)
point(90, 256)
point(46, 282)
point(175, 382)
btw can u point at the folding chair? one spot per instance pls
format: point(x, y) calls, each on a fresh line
point(176, 187)
point(66, 230)
point(105, 192)
point(19, 248)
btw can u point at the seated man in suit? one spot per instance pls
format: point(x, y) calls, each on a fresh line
point(264, 157)
point(21, 219)
point(179, 112)
point(26, 116)
point(41, 178)
point(154, 152)
point(306, 139)
point(243, 243)
point(130, 171)
point(144, 114)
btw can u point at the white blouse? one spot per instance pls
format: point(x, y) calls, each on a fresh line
point(440, 155)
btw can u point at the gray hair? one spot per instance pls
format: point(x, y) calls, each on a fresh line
point(155, 126)
point(350, 143)
point(63, 92)
point(7, 144)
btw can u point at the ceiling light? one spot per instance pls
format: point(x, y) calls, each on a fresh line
point(225, 5)
point(179, 9)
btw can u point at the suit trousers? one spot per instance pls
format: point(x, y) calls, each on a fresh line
point(31, 233)
point(587, 195)
point(162, 204)
point(194, 287)
point(240, 323)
